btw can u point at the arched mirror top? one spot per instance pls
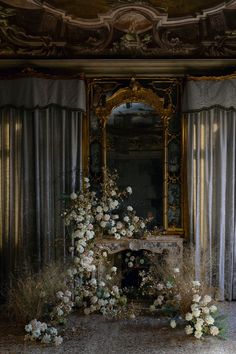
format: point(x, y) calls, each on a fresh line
point(134, 93)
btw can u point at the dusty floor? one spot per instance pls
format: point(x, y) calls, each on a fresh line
point(96, 335)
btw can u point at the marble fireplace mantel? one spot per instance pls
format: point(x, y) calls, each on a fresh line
point(159, 244)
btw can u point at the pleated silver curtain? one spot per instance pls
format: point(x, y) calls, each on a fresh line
point(40, 159)
point(212, 194)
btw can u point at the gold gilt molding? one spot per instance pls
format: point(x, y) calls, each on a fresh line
point(134, 93)
point(211, 78)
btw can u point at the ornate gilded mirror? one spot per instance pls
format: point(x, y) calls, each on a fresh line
point(134, 124)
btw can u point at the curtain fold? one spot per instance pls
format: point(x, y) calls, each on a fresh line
point(212, 196)
point(40, 153)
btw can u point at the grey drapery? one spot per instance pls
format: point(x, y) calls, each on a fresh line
point(211, 146)
point(39, 160)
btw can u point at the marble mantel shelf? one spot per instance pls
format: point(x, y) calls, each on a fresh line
point(158, 244)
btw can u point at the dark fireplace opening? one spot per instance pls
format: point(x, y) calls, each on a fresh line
point(131, 264)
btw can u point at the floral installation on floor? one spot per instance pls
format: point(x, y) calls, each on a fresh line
point(93, 214)
point(182, 299)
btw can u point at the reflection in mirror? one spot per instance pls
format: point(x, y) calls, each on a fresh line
point(135, 150)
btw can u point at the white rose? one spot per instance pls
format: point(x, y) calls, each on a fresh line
point(198, 327)
point(213, 308)
point(115, 289)
point(46, 339)
point(60, 312)
point(58, 340)
point(59, 294)
point(196, 313)
point(115, 217)
point(198, 334)
point(205, 310)
point(102, 284)
point(207, 299)
point(176, 270)
point(93, 281)
point(209, 320)
point(65, 300)
point(123, 232)
point(130, 208)
point(119, 225)
point(80, 249)
point(194, 307)
point(214, 331)
point(113, 230)
point(131, 227)
point(114, 269)
point(129, 190)
point(99, 209)
point(130, 264)
point(106, 217)
point(126, 219)
point(113, 193)
point(188, 316)
point(73, 196)
point(103, 224)
point(200, 321)
point(99, 217)
point(28, 328)
point(117, 236)
point(104, 254)
point(173, 323)
point(188, 330)
point(142, 225)
point(87, 311)
point(129, 233)
point(136, 219)
point(108, 277)
point(196, 298)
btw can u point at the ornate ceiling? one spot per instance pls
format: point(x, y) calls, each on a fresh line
point(90, 8)
point(117, 29)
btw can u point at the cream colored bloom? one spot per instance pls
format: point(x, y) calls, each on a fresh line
point(205, 310)
point(213, 308)
point(188, 330)
point(209, 320)
point(198, 334)
point(188, 316)
point(207, 299)
point(196, 298)
point(196, 313)
point(214, 331)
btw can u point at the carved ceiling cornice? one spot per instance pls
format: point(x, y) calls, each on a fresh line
point(37, 30)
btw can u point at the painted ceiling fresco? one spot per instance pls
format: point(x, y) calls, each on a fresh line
point(90, 8)
point(121, 29)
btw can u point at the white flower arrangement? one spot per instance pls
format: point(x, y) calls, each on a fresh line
point(201, 321)
point(40, 331)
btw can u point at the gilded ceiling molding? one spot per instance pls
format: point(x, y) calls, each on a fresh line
point(138, 31)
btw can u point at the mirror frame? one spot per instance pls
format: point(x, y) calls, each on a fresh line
point(137, 93)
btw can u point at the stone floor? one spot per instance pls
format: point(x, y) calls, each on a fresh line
point(97, 335)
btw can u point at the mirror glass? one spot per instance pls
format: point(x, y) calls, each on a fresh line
point(135, 150)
